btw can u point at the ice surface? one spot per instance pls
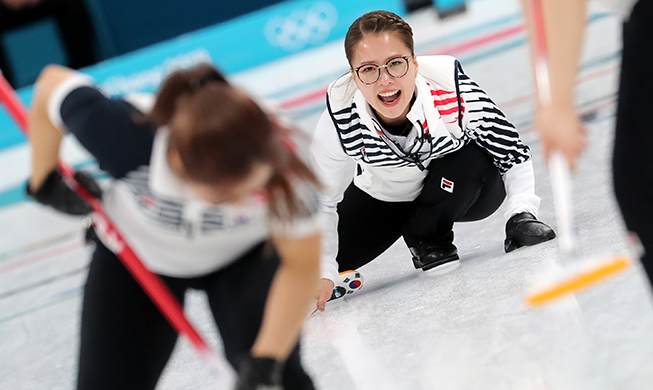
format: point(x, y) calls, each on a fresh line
point(464, 330)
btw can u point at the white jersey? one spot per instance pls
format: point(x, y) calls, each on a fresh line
point(172, 231)
point(623, 7)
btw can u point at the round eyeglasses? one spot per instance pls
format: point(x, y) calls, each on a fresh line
point(396, 67)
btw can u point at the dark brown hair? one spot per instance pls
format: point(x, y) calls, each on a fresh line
point(220, 134)
point(377, 22)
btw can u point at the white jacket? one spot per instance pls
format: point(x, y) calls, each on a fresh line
point(450, 111)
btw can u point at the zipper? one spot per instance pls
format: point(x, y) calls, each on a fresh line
point(414, 158)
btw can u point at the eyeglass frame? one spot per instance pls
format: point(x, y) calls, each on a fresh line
point(378, 68)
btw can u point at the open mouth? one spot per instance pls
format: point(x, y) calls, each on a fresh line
point(389, 98)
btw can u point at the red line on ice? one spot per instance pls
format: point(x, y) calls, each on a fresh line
point(42, 256)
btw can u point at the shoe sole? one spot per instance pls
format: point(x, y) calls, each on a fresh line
point(440, 262)
point(534, 240)
point(445, 268)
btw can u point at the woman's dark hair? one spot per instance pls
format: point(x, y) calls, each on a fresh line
point(377, 22)
point(220, 134)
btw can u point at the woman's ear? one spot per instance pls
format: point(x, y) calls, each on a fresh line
point(354, 77)
point(416, 64)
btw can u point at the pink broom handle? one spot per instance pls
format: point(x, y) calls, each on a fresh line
point(151, 283)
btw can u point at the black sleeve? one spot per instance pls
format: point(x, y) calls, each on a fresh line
point(108, 129)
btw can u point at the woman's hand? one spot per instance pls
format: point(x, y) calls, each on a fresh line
point(54, 192)
point(325, 289)
point(561, 129)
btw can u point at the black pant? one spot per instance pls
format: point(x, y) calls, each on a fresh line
point(368, 226)
point(74, 24)
point(126, 342)
point(632, 166)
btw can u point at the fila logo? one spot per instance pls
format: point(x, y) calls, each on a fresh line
point(447, 185)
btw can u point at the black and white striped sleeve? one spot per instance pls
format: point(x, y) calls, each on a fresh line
point(484, 122)
point(335, 170)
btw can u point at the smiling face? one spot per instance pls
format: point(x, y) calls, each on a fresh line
point(390, 97)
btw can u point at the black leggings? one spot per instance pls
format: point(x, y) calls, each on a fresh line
point(632, 167)
point(368, 226)
point(126, 342)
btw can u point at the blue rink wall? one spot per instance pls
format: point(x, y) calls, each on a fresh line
point(242, 43)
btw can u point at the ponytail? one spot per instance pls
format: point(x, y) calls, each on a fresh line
point(178, 84)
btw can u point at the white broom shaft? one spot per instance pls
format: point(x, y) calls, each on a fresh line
point(559, 172)
point(562, 198)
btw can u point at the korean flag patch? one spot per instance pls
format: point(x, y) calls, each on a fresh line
point(447, 185)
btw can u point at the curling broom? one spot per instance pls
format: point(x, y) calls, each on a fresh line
point(590, 272)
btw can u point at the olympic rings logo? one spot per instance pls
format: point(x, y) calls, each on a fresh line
point(302, 27)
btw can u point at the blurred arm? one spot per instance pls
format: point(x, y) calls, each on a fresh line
point(335, 169)
point(66, 101)
point(290, 296)
point(45, 137)
point(557, 122)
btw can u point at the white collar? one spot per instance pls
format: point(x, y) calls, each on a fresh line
point(437, 123)
point(163, 181)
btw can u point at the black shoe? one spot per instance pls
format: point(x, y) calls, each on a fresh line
point(430, 255)
point(414, 5)
point(524, 229)
point(451, 11)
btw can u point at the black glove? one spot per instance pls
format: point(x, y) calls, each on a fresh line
point(54, 192)
point(524, 229)
point(258, 373)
